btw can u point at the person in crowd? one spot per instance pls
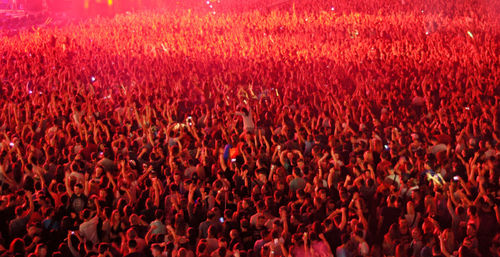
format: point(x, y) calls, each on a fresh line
point(330, 128)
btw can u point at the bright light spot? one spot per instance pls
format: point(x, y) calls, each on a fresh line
point(306, 19)
point(211, 6)
point(470, 34)
point(427, 32)
point(30, 92)
point(110, 2)
point(214, 12)
point(422, 11)
point(208, 2)
point(92, 79)
point(333, 9)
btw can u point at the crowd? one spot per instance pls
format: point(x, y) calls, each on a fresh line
point(342, 129)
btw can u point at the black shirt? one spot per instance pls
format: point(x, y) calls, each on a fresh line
point(78, 203)
point(390, 216)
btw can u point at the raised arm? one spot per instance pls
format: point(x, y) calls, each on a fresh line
point(69, 190)
point(98, 208)
point(497, 213)
point(449, 206)
point(343, 221)
point(5, 178)
point(221, 161)
point(86, 186)
point(282, 157)
point(145, 174)
point(157, 193)
point(30, 200)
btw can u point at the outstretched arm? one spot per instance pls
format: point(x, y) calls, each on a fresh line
point(66, 183)
point(222, 162)
point(31, 205)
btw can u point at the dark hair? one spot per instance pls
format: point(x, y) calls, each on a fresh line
point(473, 209)
point(210, 215)
point(222, 251)
point(157, 247)
point(103, 247)
point(17, 246)
point(264, 233)
point(131, 233)
point(212, 230)
point(85, 214)
point(132, 243)
point(201, 247)
point(19, 210)
point(159, 214)
point(89, 245)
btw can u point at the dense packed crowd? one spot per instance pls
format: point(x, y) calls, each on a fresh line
point(341, 129)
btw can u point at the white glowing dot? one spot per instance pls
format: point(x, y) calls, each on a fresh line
point(333, 9)
point(208, 2)
point(211, 6)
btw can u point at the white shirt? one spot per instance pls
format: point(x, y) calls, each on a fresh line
point(88, 229)
point(247, 121)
